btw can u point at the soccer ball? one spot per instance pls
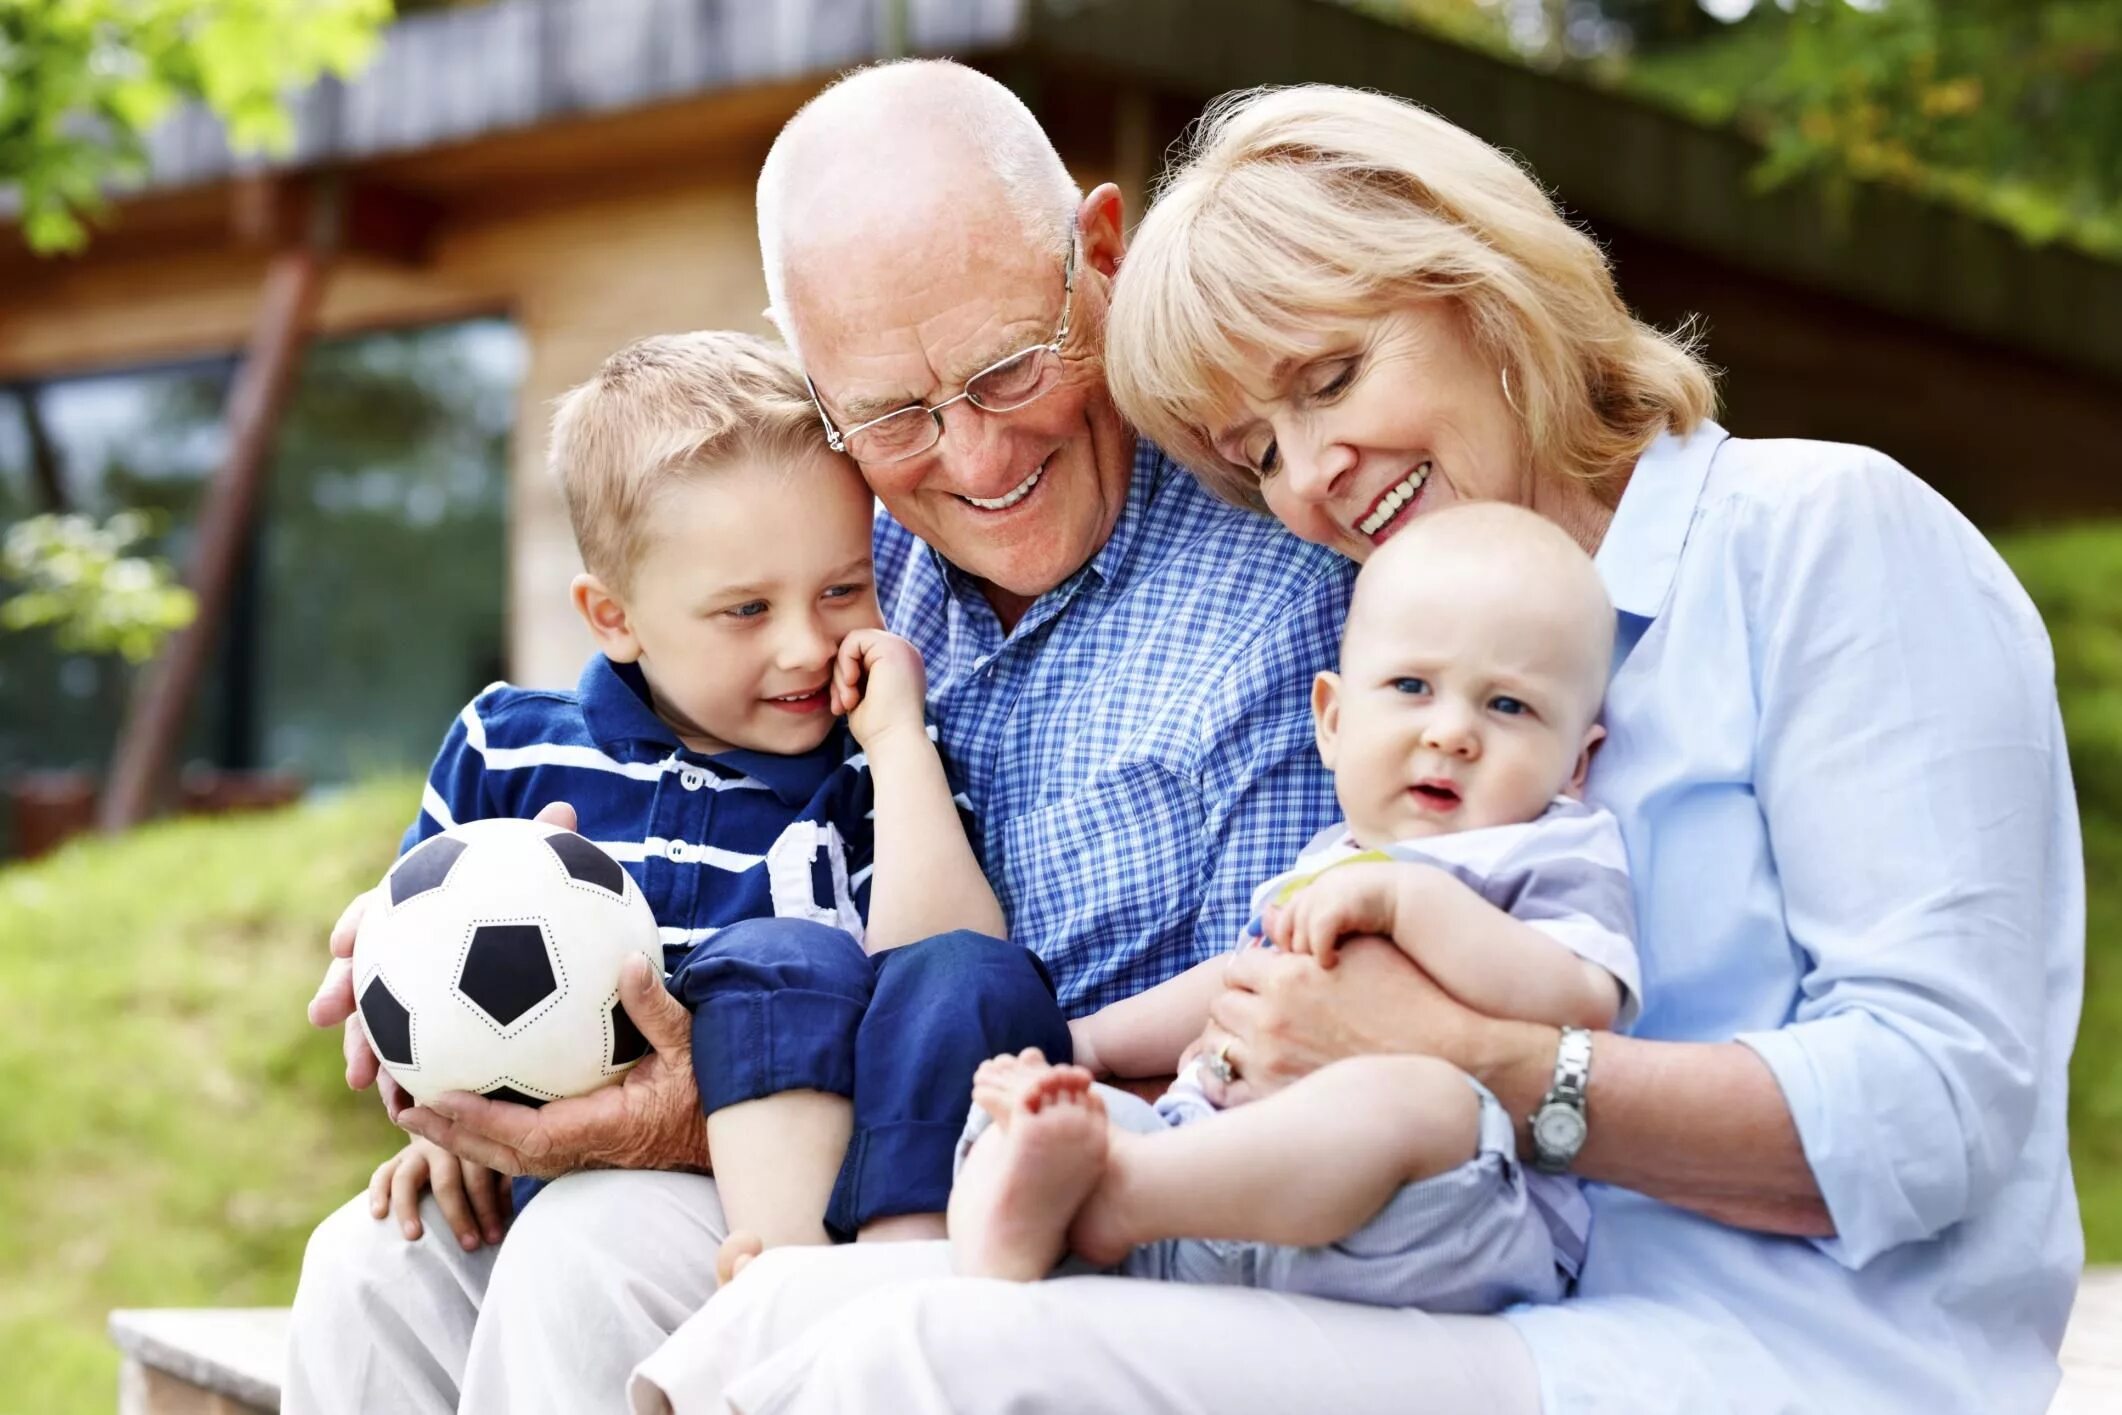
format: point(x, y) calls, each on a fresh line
point(489, 958)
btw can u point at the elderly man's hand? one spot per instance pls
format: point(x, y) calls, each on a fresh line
point(650, 1120)
point(334, 1004)
point(1281, 1016)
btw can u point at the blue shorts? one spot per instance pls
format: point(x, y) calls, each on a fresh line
point(791, 1005)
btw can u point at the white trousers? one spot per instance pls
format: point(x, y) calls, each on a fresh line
point(596, 1272)
point(884, 1328)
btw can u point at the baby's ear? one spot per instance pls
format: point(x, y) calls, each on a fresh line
point(605, 614)
point(1593, 736)
point(1326, 715)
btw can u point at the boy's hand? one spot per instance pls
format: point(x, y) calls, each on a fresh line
point(1351, 899)
point(878, 683)
point(474, 1200)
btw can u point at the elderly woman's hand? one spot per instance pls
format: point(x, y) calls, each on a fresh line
point(1281, 1016)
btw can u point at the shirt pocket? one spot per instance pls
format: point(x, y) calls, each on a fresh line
point(1105, 884)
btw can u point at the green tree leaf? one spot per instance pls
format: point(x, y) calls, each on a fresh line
point(83, 81)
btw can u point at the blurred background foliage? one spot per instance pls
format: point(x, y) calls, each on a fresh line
point(2011, 108)
point(82, 82)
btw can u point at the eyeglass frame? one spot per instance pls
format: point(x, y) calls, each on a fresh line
point(838, 440)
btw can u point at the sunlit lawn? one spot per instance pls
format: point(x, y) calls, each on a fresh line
point(171, 1128)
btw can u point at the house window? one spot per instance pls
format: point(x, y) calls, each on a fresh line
point(371, 604)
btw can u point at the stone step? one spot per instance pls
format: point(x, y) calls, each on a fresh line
point(200, 1360)
point(227, 1361)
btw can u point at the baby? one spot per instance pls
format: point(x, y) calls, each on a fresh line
point(821, 909)
point(1459, 730)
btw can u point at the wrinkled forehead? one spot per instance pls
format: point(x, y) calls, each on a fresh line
point(887, 311)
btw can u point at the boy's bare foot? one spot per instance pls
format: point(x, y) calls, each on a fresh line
point(1024, 1180)
point(736, 1254)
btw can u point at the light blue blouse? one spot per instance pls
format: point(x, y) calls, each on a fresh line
point(1838, 763)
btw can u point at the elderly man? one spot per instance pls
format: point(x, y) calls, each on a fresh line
point(1119, 666)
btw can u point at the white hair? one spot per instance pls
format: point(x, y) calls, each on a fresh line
point(872, 108)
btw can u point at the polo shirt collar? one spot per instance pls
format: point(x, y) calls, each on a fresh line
point(794, 779)
point(615, 708)
point(615, 705)
point(1641, 551)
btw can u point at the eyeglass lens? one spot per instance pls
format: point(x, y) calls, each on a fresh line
point(999, 388)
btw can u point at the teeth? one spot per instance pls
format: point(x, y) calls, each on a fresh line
point(795, 697)
point(1393, 500)
point(1011, 497)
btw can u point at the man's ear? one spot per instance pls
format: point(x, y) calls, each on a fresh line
point(1326, 715)
point(1593, 736)
point(605, 614)
point(1099, 220)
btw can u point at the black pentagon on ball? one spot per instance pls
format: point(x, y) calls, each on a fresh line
point(506, 1092)
point(627, 1042)
point(507, 971)
point(390, 1026)
point(583, 861)
point(425, 868)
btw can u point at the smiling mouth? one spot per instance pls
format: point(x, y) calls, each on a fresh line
point(1387, 507)
point(801, 702)
point(1014, 495)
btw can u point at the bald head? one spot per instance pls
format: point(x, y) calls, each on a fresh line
point(896, 155)
point(1514, 572)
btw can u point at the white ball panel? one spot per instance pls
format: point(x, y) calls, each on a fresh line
point(560, 1046)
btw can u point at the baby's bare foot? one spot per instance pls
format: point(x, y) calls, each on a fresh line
point(1013, 1199)
point(736, 1254)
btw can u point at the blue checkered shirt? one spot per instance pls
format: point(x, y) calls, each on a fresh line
point(1138, 750)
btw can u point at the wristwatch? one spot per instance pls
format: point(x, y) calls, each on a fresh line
point(1559, 1126)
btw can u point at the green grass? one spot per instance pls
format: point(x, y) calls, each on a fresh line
point(171, 1128)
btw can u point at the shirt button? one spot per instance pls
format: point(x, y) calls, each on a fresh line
point(693, 778)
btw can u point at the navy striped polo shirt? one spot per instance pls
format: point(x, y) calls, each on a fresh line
point(711, 840)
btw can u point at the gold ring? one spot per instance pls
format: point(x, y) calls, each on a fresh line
point(1219, 1063)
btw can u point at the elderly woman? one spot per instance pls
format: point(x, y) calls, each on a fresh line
point(1828, 1166)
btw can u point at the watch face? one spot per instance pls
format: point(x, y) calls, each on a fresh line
point(1558, 1130)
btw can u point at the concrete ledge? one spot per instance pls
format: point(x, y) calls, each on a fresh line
point(2092, 1348)
point(200, 1361)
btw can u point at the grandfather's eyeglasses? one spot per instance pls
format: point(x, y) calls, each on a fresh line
point(1002, 387)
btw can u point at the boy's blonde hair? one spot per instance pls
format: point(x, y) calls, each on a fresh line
point(1289, 206)
point(659, 411)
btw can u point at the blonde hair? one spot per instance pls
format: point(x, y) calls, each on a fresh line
point(660, 411)
point(1289, 206)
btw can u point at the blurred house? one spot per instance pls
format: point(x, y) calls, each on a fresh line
point(580, 171)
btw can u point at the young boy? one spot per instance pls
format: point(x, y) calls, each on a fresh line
point(821, 910)
point(1459, 731)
